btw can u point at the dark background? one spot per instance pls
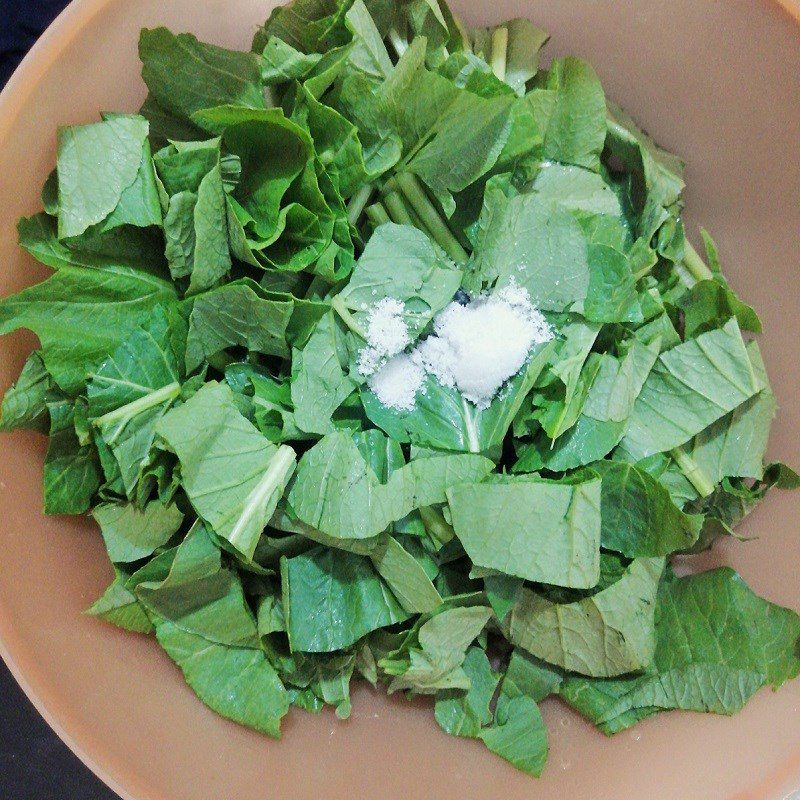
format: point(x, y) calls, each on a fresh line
point(34, 763)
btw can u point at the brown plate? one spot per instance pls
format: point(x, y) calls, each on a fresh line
point(716, 82)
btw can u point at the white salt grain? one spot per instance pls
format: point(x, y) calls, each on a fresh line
point(397, 382)
point(478, 347)
point(475, 348)
point(387, 335)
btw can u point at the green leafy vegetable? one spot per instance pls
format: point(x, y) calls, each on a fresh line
point(218, 374)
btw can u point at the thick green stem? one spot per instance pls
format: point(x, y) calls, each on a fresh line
point(376, 214)
point(499, 52)
point(694, 264)
point(130, 410)
point(357, 202)
point(397, 209)
point(344, 313)
point(430, 217)
point(691, 469)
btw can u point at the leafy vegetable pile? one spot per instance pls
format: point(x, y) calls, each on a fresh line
point(215, 259)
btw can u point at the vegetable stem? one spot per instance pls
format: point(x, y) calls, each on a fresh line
point(430, 217)
point(399, 44)
point(376, 214)
point(472, 431)
point(130, 410)
point(694, 264)
point(499, 52)
point(462, 32)
point(397, 209)
point(281, 465)
point(344, 313)
point(691, 469)
point(357, 202)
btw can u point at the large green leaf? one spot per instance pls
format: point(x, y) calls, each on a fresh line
point(25, 403)
point(332, 598)
point(185, 75)
point(531, 528)
point(717, 643)
point(239, 313)
point(336, 491)
point(431, 657)
point(638, 515)
point(606, 634)
point(82, 314)
point(131, 534)
point(236, 682)
point(71, 470)
point(134, 387)
point(98, 165)
point(691, 386)
point(201, 597)
point(462, 712)
point(237, 501)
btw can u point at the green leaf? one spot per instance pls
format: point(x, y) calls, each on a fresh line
point(348, 500)
point(518, 734)
point(72, 473)
point(280, 62)
point(602, 421)
point(239, 313)
point(444, 420)
point(735, 445)
point(525, 42)
point(97, 163)
point(319, 382)
point(81, 315)
point(401, 262)
point(431, 659)
point(273, 152)
point(526, 676)
point(368, 54)
point(336, 142)
point(332, 598)
point(541, 246)
point(463, 713)
point(717, 643)
point(451, 137)
point(638, 515)
point(609, 633)
point(209, 430)
point(237, 683)
point(531, 528)
point(576, 132)
point(25, 403)
point(199, 596)
point(691, 386)
point(120, 607)
point(195, 224)
point(307, 25)
point(131, 534)
point(134, 387)
point(710, 304)
point(185, 75)
point(405, 577)
point(611, 296)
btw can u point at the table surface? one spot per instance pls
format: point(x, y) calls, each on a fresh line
point(34, 763)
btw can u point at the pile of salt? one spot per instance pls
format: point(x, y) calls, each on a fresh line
point(475, 348)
